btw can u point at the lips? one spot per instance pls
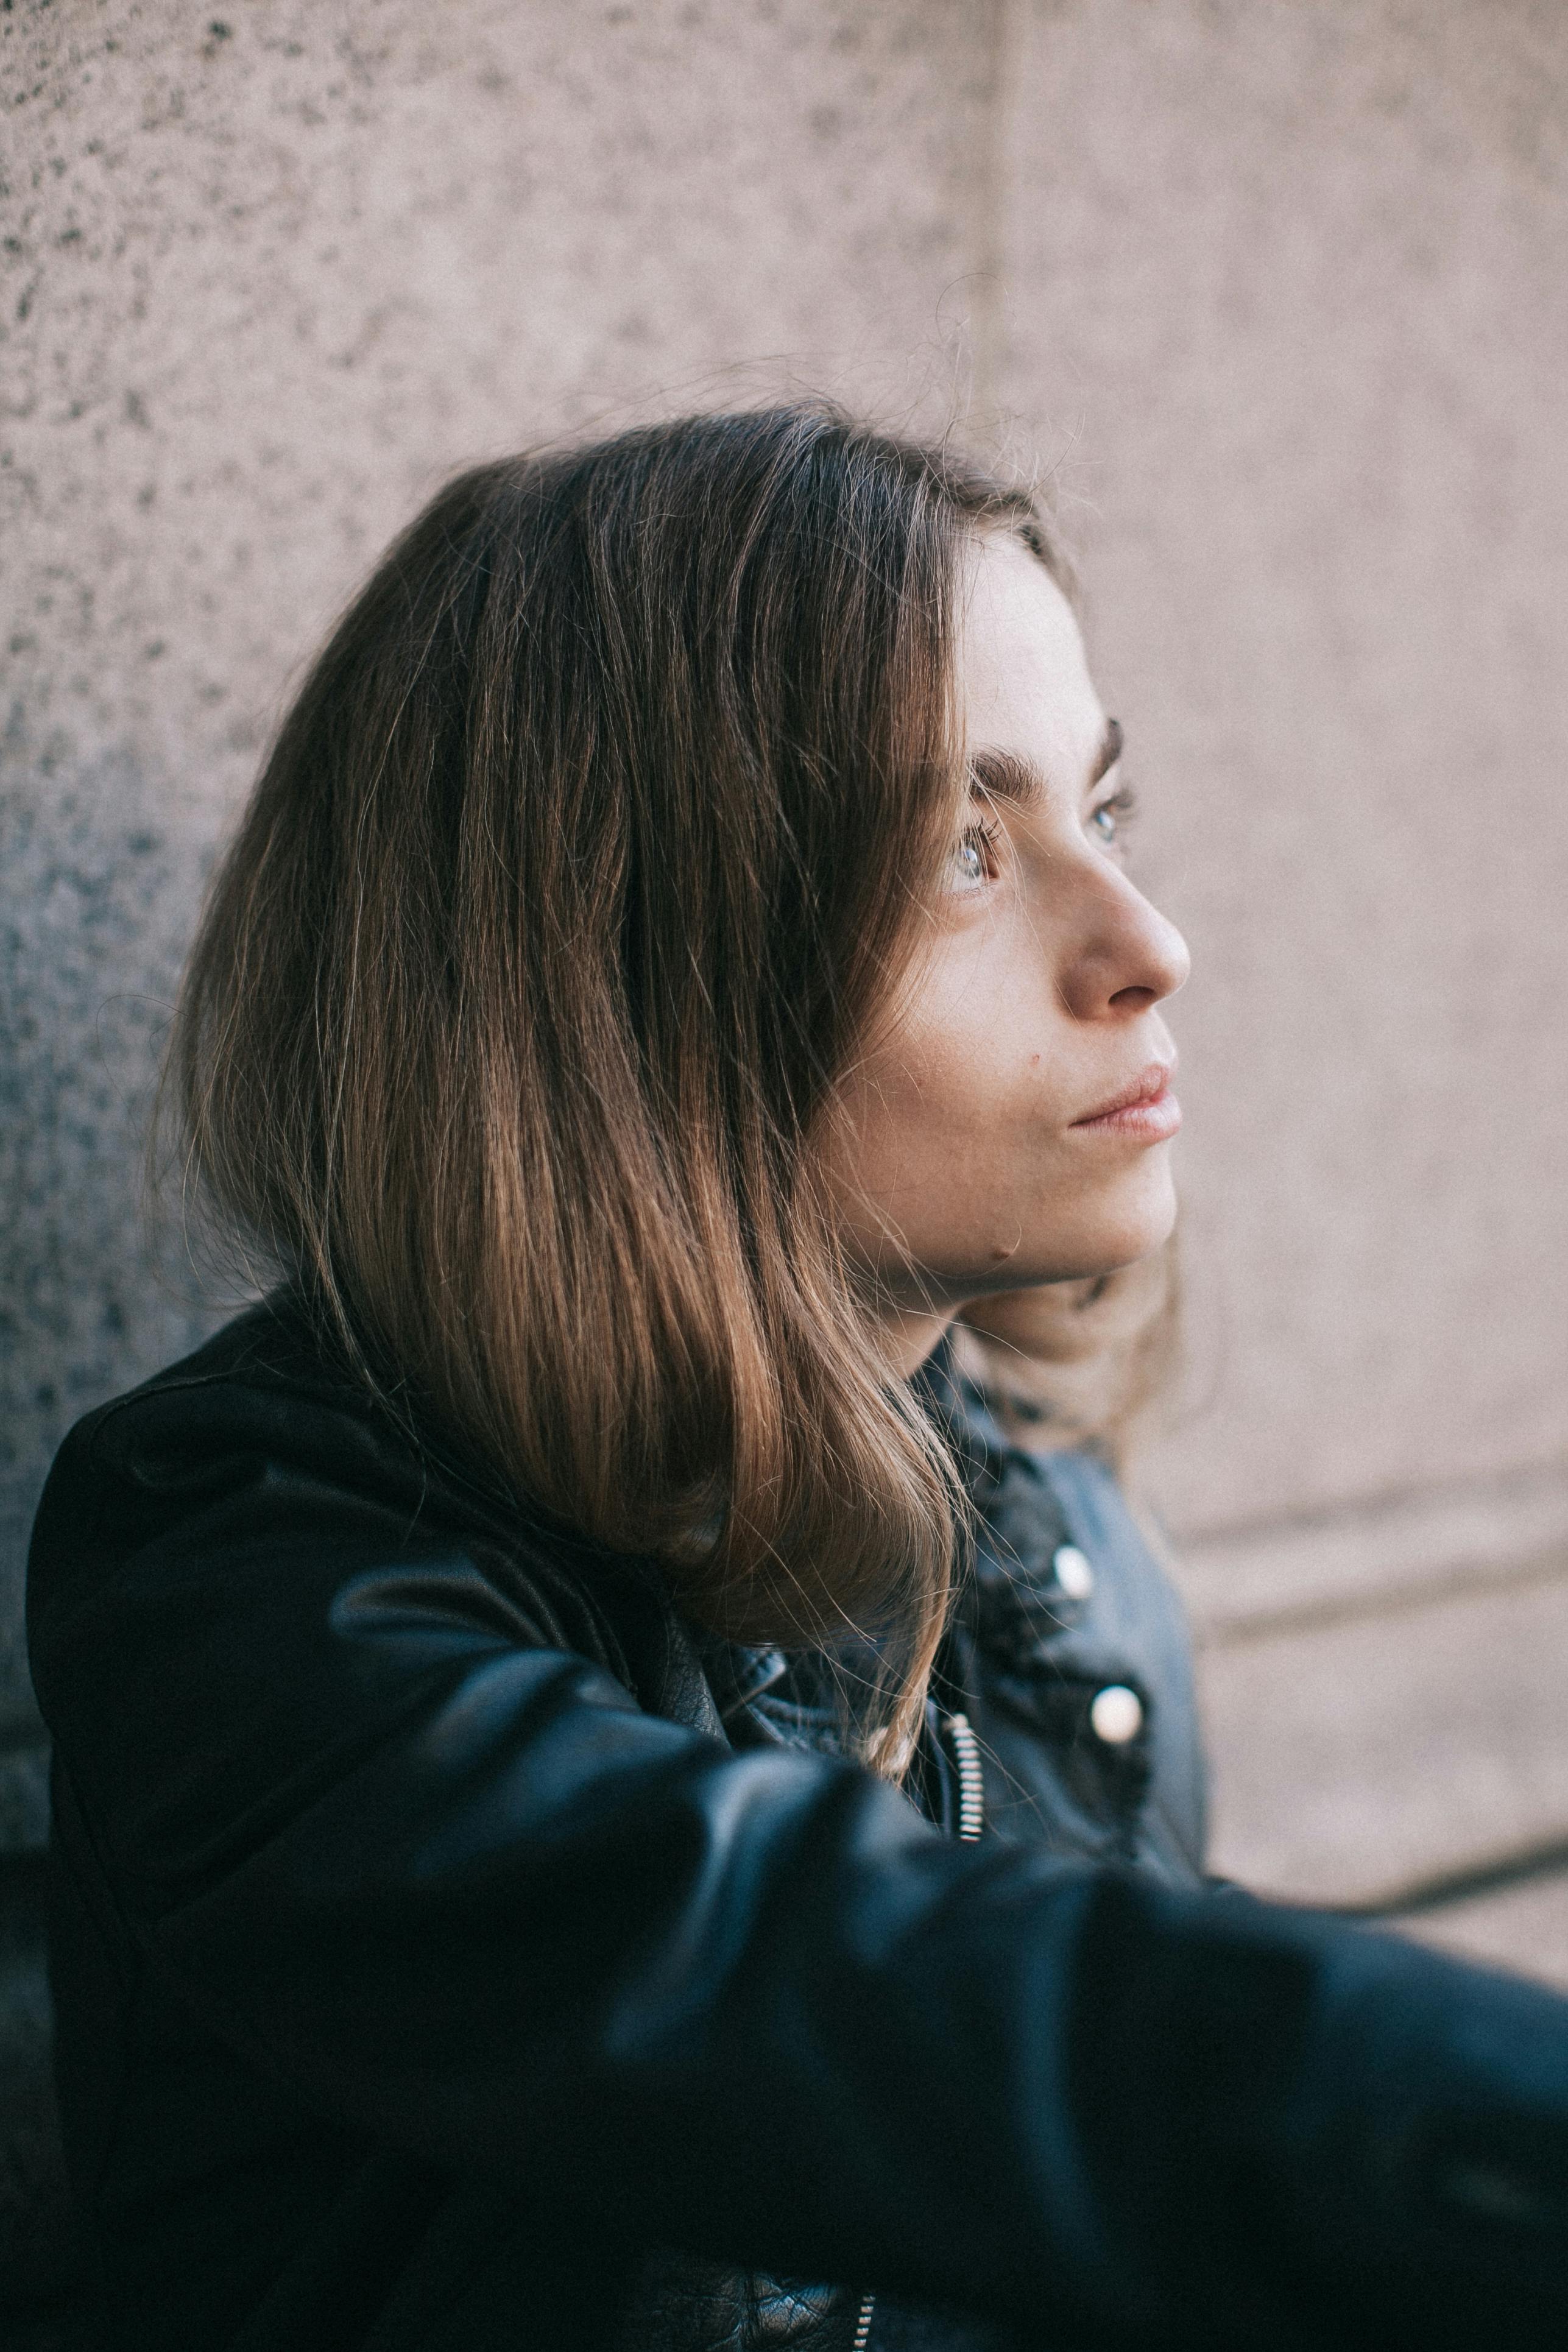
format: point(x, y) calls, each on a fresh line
point(1145, 1108)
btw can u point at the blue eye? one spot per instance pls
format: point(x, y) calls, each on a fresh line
point(1108, 820)
point(973, 859)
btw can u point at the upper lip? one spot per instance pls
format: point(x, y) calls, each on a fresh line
point(1149, 1083)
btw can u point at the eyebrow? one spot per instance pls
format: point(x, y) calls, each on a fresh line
point(1005, 776)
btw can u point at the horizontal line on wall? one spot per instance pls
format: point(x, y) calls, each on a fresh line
point(1391, 1503)
point(1468, 1580)
point(1445, 1891)
point(1382, 1554)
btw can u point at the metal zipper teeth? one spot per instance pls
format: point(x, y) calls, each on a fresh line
point(971, 1821)
point(971, 1784)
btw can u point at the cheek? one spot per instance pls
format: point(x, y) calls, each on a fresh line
point(959, 1094)
point(954, 1154)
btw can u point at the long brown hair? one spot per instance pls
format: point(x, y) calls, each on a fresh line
point(583, 859)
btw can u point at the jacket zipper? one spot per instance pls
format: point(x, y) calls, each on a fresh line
point(971, 1784)
point(971, 1821)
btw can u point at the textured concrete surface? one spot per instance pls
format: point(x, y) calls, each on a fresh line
point(1355, 1760)
point(1371, 1556)
point(1524, 1928)
point(268, 277)
point(270, 273)
point(1285, 299)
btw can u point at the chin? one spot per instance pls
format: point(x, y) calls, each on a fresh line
point(1052, 1239)
point(1110, 1233)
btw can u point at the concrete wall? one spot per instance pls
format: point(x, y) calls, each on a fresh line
point(270, 271)
point(270, 276)
point(1275, 292)
point(1285, 283)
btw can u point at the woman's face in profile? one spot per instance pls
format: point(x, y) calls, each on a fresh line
point(1010, 1123)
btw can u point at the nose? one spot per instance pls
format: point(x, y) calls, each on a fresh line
point(1125, 956)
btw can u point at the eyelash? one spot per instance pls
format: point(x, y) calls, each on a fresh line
point(985, 835)
point(1122, 806)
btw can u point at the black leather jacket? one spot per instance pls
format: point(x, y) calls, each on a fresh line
point(455, 1949)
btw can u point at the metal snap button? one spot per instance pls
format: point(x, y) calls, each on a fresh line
point(1116, 1716)
point(1072, 1571)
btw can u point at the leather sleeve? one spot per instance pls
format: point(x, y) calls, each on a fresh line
point(448, 1881)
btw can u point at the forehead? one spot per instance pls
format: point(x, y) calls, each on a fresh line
point(1023, 680)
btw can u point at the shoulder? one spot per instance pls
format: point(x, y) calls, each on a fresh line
point(1032, 1502)
point(1062, 1552)
point(257, 1428)
point(258, 1492)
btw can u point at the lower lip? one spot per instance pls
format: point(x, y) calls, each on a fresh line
point(1154, 1120)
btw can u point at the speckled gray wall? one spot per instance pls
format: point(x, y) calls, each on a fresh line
point(1275, 291)
point(269, 277)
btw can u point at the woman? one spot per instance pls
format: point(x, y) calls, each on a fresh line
point(599, 1801)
